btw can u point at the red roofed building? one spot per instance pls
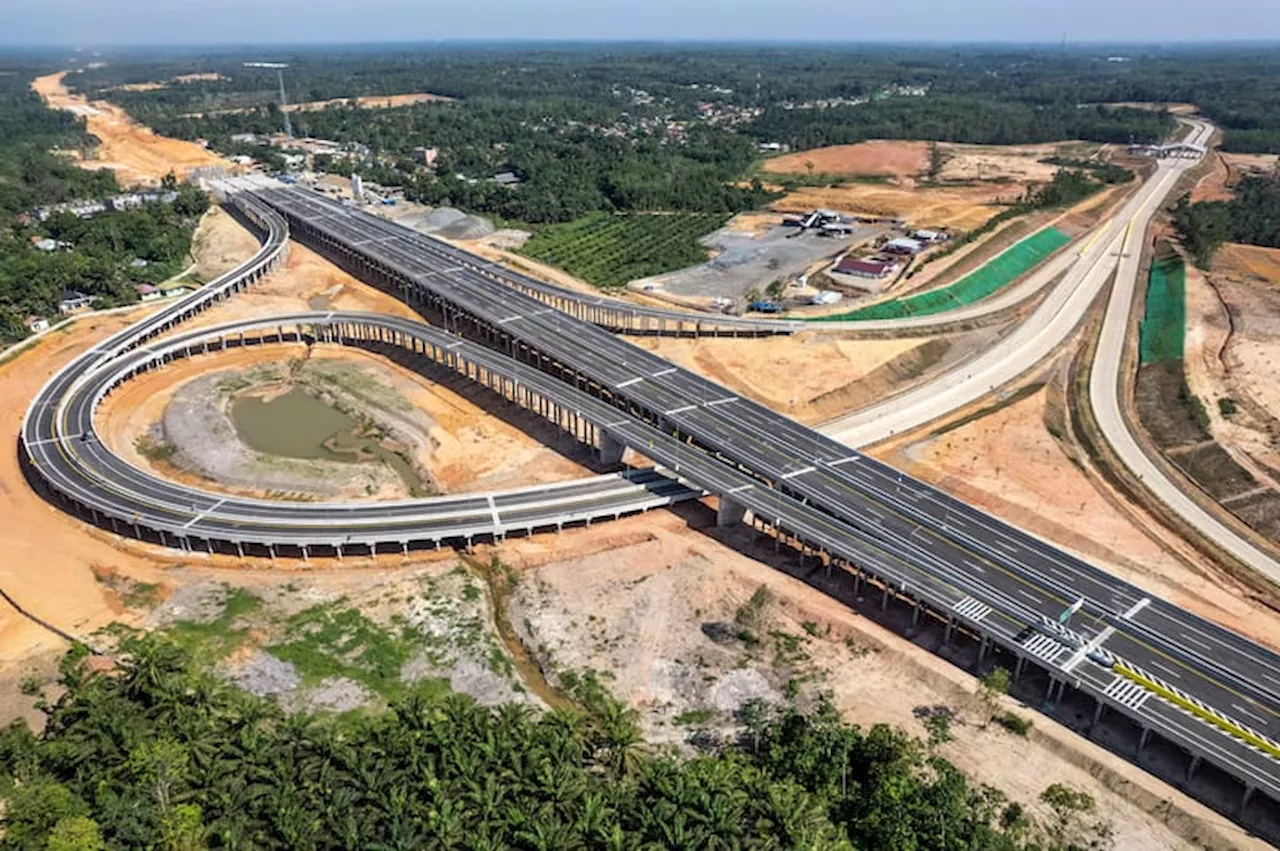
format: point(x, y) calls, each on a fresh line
point(866, 268)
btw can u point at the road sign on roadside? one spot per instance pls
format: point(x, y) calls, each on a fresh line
point(1070, 610)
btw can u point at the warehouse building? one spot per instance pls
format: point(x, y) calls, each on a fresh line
point(863, 268)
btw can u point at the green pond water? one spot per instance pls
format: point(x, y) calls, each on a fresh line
point(296, 424)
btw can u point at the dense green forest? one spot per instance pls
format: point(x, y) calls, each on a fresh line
point(157, 754)
point(1252, 217)
point(643, 128)
point(974, 94)
point(626, 128)
point(98, 254)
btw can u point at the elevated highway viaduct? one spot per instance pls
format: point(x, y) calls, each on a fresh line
point(1213, 692)
point(66, 460)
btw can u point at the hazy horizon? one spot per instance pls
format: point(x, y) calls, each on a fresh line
point(232, 23)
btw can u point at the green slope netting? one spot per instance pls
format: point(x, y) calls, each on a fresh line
point(1009, 265)
point(1164, 321)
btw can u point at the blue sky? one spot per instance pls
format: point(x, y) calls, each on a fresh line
point(175, 22)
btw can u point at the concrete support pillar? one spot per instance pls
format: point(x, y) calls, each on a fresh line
point(1142, 741)
point(610, 451)
point(1191, 769)
point(271, 551)
point(982, 650)
point(1017, 669)
point(729, 512)
point(884, 599)
point(1048, 695)
point(1244, 799)
point(915, 615)
point(1097, 716)
point(240, 549)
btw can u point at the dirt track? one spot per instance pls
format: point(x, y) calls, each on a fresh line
point(136, 153)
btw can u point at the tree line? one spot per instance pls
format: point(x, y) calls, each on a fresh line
point(159, 754)
point(1251, 217)
point(93, 255)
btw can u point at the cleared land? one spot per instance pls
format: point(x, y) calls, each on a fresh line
point(1019, 163)
point(972, 184)
point(959, 207)
point(370, 102)
point(814, 378)
point(136, 153)
point(460, 443)
point(997, 273)
point(880, 157)
point(908, 159)
point(610, 250)
point(220, 244)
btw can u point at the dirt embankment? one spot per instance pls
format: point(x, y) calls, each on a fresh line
point(220, 244)
point(49, 555)
point(137, 153)
point(815, 377)
point(1232, 349)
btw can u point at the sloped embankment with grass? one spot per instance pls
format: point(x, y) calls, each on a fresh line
point(1002, 270)
point(1176, 419)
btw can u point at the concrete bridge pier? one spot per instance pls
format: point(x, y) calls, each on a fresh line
point(611, 449)
point(729, 512)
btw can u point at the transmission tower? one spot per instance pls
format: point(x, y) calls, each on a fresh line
point(278, 67)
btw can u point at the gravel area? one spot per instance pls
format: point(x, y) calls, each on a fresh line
point(198, 602)
point(334, 694)
point(448, 222)
point(266, 676)
point(745, 261)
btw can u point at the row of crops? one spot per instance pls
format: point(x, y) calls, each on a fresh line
point(609, 249)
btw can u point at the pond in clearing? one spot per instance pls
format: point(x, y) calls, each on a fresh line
point(296, 424)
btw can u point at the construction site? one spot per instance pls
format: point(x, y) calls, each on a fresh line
point(950, 360)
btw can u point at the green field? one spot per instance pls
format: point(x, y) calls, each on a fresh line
point(609, 250)
point(1008, 266)
point(1164, 320)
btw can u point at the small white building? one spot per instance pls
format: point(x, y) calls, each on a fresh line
point(36, 324)
point(902, 245)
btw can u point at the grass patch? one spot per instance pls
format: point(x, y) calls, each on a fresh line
point(609, 250)
point(141, 595)
point(694, 718)
point(332, 640)
point(1015, 724)
point(215, 640)
point(1006, 267)
point(1162, 335)
point(154, 450)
